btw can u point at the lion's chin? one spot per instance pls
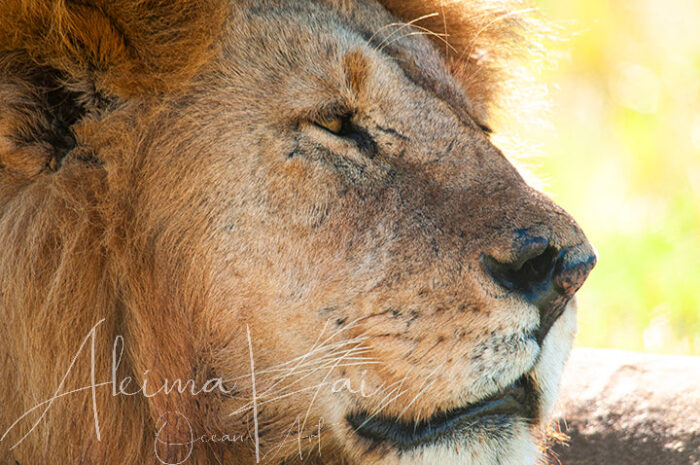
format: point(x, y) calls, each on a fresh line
point(515, 449)
point(494, 430)
point(509, 444)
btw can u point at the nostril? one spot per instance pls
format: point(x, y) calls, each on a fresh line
point(531, 270)
point(544, 276)
point(572, 270)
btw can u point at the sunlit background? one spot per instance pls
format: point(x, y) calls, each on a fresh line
point(624, 159)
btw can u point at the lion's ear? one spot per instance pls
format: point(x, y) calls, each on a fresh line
point(35, 119)
point(481, 40)
point(126, 46)
point(61, 60)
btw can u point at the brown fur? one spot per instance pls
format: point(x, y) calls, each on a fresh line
point(159, 169)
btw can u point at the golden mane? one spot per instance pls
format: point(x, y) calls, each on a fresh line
point(159, 44)
point(147, 46)
point(492, 46)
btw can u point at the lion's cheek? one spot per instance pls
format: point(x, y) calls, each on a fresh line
point(555, 351)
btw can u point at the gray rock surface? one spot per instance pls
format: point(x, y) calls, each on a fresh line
point(624, 408)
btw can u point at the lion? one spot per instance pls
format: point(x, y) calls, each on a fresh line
point(272, 231)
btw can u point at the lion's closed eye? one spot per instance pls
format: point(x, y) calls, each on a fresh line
point(344, 127)
point(332, 124)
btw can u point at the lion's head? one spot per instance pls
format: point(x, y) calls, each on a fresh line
point(277, 230)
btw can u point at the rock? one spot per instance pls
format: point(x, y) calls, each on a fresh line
point(623, 408)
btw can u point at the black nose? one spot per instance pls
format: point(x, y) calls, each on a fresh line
point(544, 275)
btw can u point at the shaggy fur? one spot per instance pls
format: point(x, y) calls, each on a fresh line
point(167, 200)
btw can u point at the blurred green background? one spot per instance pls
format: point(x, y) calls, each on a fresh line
point(623, 157)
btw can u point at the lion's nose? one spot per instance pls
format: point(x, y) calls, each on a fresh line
point(544, 275)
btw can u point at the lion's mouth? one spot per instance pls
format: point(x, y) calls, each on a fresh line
point(517, 400)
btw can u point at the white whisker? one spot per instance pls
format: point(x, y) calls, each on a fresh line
point(400, 26)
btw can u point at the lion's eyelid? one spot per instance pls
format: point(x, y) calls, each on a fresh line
point(334, 124)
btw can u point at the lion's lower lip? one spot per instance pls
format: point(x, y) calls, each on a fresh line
point(514, 401)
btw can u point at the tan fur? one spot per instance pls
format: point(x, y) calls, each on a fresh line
point(160, 170)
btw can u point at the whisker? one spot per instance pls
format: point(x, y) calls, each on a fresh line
point(428, 386)
point(322, 362)
point(468, 50)
point(349, 355)
point(308, 410)
point(249, 405)
point(423, 389)
point(280, 367)
point(440, 36)
point(311, 371)
point(383, 405)
point(414, 33)
point(400, 26)
point(280, 395)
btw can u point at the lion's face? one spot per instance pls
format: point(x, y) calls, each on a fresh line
point(321, 220)
point(355, 209)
